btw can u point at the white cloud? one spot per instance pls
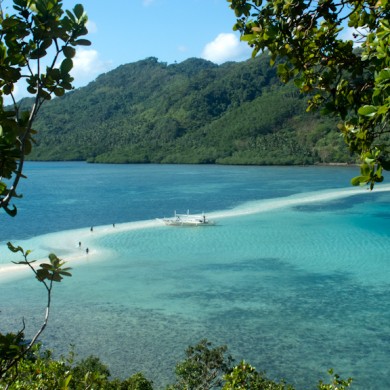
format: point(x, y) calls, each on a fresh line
point(226, 47)
point(87, 65)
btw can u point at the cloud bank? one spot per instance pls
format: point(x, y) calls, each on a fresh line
point(87, 65)
point(226, 47)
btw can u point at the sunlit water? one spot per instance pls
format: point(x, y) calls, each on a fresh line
point(294, 278)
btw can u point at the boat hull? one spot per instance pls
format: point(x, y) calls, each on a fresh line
point(188, 220)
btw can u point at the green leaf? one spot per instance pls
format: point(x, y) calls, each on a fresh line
point(69, 52)
point(42, 274)
point(248, 37)
point(11, 212)
point(66, 65)
point(78, 11)
point(65, 273)
point(71, 17)
point(53, 257)
point(31, 90)
point(82, 42)
point(59, 92)
point(383, 75)
point(360, 180)
point(365, 169)
point(9, 23)
point(46, 44)
point(67, 86)
point(368, 111)
point(46, 266)
point(56, 277)
point(355, 181)
point(13, 248)
point(382, 110)
point(39, 53)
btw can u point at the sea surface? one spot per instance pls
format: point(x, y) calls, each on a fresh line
point(294, 277)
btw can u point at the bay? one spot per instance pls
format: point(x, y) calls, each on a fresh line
point(294, 277)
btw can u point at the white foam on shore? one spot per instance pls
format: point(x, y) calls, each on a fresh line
point(268, 205)
point(65, 244)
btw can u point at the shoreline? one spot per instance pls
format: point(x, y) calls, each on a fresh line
point(65, 245)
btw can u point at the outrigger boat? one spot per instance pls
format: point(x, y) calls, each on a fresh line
point(188, 220)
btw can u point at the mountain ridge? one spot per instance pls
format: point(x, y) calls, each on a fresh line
point(190, 112)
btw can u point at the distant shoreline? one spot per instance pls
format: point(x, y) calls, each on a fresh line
point(316, 164)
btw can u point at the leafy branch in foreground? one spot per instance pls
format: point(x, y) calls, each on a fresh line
point(337, 383)
point(207, 367)
point(203, 367)
point(349, 78)
point(244, 376)
point(39, 29)
point(37, 47)
point(12, 349)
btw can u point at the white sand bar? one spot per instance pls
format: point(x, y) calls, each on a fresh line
point(66, 246)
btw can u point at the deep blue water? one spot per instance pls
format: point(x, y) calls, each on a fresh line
point(62, 196)
point(294, 278)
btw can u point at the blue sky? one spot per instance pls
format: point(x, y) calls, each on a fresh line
point(124, 31)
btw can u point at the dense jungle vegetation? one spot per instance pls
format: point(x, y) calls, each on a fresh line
point(204, 367)
point(191, 112)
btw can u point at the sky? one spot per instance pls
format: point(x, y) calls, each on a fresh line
point(126, 31)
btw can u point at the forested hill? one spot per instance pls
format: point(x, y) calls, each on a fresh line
point(190, 112)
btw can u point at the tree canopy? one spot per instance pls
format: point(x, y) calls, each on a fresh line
point(349, 78)
point(191, 112)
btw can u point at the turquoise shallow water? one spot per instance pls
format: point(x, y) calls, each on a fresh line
point(293, 278)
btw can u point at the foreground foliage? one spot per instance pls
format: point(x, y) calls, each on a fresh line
point(39, 370)
point(13, 347)
point(204, 368)
point(352, 84)
point(37, 44)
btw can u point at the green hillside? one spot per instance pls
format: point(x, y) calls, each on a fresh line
point(190, 112)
